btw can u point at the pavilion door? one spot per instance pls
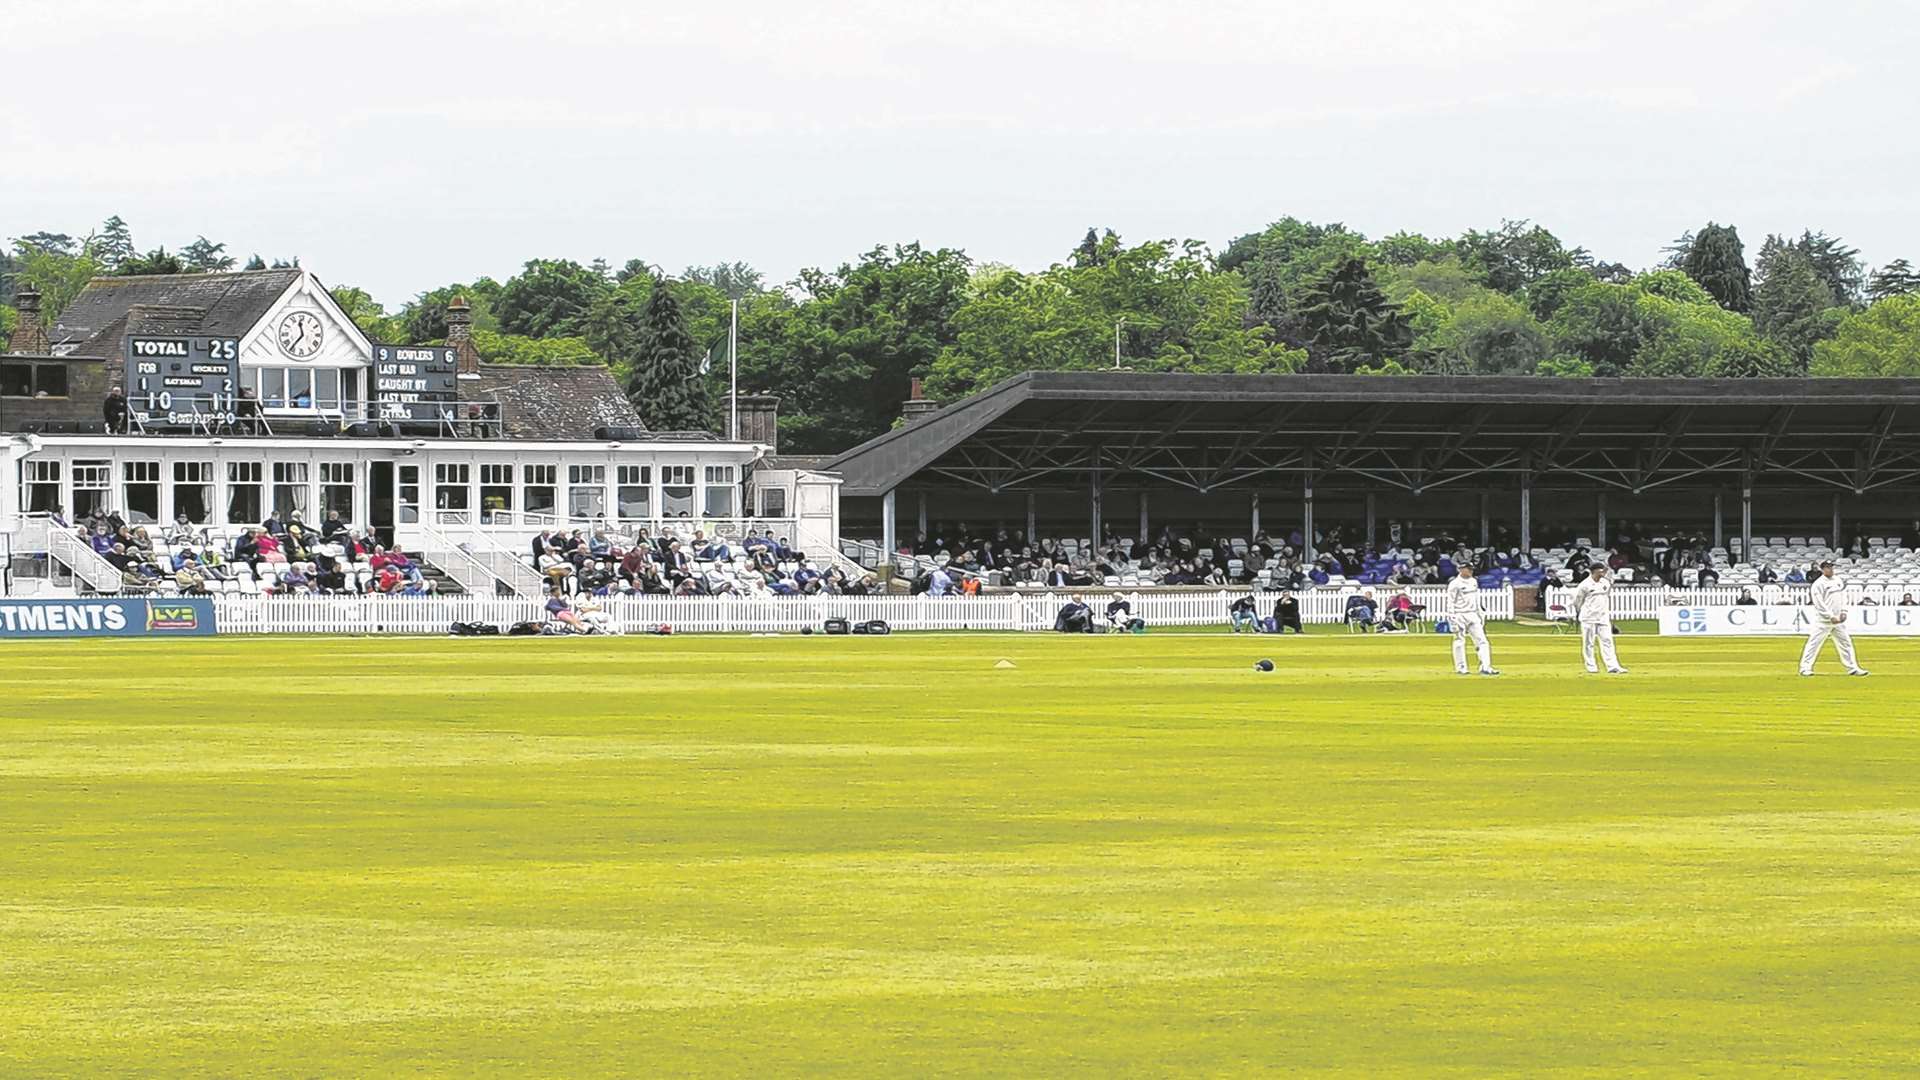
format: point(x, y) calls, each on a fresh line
point(380, 508)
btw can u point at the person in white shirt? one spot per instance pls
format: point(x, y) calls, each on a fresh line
point(1593, 608)
point(1829, 621)
point(1463, 614)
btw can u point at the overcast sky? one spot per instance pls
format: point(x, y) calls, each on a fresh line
point(403, 151)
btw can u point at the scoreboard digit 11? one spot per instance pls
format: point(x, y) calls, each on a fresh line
point(182, 382)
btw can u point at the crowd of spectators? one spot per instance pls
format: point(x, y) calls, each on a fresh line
point(275, 558)
point(597, 563)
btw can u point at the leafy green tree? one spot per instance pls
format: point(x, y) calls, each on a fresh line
point(1600, 326)
point(1545, 296)
point(1894, 279)
point(734, 280)
point(203, 256)
point(113, 244)
point(1410, 249)
point(1515, 255)
point(498, 348)
point(255, 262)
point(1174, 314)
point(56, 272)
point(549, 298)
point(1490, 333)
point(157, 261)
point(1443, 279)
point(1881, 342)
point(1718, 261)
point(49, 243)
point(1837, 265)
point(665, 385)
point(634, 268)
point(1754, 359)
point(369, 315)
point(1565, 367)
point(1672, 285)
point(1283, 262)
point(424, 319)
point(1350, 322)
point(842, 357)
point(1794, 306)
point(9, 319)
point(612, 328)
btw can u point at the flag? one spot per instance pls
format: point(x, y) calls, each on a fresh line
point(715, 355)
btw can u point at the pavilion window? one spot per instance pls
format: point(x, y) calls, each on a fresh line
point(40, 492)
point(540, 492)
point(290, 489)
point(634, 497)
point(92, 487)
point(496, 491)
point(586, 492)
point(336, 489)
point(193, 490)
point(719, 490)
point(676, 491)
point(244, 505)
point(451, 490)
point(141, 490)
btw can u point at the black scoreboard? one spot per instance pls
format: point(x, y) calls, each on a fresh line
point(413, 382)
point(182, 382)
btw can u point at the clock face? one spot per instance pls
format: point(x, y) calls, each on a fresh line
point(300, 335)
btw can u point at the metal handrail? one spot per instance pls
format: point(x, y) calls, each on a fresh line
point(476, 571)
point(86, 563)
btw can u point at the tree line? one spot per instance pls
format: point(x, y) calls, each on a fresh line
point(840, 346)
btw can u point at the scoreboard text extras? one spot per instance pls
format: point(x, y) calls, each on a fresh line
point(182, 382)
point(412, 382)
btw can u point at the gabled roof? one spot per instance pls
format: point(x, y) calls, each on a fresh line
point(228, 305)
point(556, 403)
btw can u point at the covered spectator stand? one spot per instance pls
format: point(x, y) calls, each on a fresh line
point(1097, 454)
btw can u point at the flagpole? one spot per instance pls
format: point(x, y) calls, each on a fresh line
point(733, 376)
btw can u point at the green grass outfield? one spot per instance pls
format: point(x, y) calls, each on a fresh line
point(765, 856)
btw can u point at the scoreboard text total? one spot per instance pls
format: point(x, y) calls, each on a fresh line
point(182, 381)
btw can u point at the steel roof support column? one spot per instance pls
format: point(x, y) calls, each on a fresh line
point(1719, 521)
point(1370, 519)
point(1033, 522)
point(1526, 511)
point(1600, 520)
point(1094, 483)
point(1253, 505)
point(924, 531)
point(1746, 508)
point(1306, 523)
point(1145, 536)
point(1836, 522)
point(1486, 528)
point(889, 536)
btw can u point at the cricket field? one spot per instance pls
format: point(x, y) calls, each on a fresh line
point(900, 857)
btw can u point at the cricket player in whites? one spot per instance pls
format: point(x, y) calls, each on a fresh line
point(1829, 621)
point(1463, 614)
point(1593, 606)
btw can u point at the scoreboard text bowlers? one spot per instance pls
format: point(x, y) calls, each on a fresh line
point(182, 381)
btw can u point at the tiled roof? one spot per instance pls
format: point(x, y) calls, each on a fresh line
point(229, 304)
point(561, 403)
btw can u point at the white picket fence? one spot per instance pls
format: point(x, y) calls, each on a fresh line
point(1645, 601)
point(789, 614)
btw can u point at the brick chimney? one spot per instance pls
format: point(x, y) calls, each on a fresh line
point(760, 420)
point(466, 358)
point(29, 336)
point(917, 407)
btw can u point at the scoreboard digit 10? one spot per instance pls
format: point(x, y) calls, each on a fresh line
point(182, 382)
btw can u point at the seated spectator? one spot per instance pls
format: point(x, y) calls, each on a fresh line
point(1286, 614)
point(1746, 598)
point(296, 581)
point(1075, 617)
point(1768, 575)
point(188, 578)
point(1240, 614)
point(333, 530)
point(561, 614)
point(1906, 600)
point(1119, 612)
point(1361, 610)
point(273, 526)
point(1796, 577)
point(182, 531)
point(1401, 610)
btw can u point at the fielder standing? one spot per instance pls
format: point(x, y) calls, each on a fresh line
point(1593, 607)
point(1463, 614)
point(1829, 621)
